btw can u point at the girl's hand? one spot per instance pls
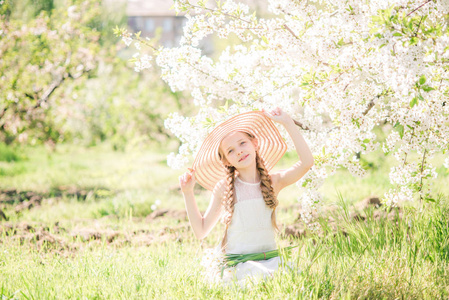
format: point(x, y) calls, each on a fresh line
point(187, 181)
point(279, 116)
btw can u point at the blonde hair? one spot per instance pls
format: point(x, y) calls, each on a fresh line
point(229, 200)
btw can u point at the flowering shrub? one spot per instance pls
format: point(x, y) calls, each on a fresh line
point(37, 57)
point(339, 67)
point(61, 79)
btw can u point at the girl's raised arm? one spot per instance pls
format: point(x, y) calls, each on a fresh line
point(291, 175)
point(201, 225)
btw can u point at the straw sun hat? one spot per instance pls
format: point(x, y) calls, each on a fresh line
point(207, 165)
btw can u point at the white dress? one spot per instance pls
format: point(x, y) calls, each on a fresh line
point(250, 231)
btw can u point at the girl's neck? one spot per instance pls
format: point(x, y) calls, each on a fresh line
point(249, 175)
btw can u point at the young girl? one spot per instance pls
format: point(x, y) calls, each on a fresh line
point(234, 162)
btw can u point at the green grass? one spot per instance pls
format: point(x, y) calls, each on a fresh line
point(372, 260)
point(159, 258)
point(8, 154)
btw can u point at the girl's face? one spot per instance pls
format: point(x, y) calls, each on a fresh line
point(238, 149)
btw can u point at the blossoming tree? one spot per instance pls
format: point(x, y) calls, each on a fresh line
point(37, 58)
point(339, 67)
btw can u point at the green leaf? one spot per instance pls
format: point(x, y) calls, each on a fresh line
point(366, 140)
point(397, 34)
point(422, 79)
point(116, 30)
point(427, 88)
point(429, 199)
point(413, 102)
point(400, 129)
point(264, 38)
point(307, 77)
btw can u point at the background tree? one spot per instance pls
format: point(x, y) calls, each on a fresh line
point(38, 57)
point(64, 78)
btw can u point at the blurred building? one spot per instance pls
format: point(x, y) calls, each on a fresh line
point(150, 16)
point(156, 18)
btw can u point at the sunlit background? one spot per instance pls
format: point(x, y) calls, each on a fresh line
point(84, 185)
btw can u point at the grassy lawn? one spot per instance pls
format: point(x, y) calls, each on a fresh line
point(107, 224)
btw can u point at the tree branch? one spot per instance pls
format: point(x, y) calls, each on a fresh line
point(30, 96)
point(418, 7)
point(288, 28)
point(301, 125)
point(217, 10)
point(53, 86)
point(422, 168)
point(370, 105)
point(417, 29)
point(2, 113)
point(411, 136)
point(57, 83)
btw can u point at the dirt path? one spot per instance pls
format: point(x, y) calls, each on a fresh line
point(25, 200)
point(55, 238)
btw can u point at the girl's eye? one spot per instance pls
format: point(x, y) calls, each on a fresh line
point(229, 151)
point(242, 143)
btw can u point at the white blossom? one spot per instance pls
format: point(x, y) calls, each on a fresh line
point(127, 40)
point(142, 62)
point(176, 161)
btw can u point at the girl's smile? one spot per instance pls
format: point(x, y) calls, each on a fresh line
point(243, 158)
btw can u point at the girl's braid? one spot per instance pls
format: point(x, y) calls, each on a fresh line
point(266, 184)
point(267, 188)
point(228, 201)
point(229, 198)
